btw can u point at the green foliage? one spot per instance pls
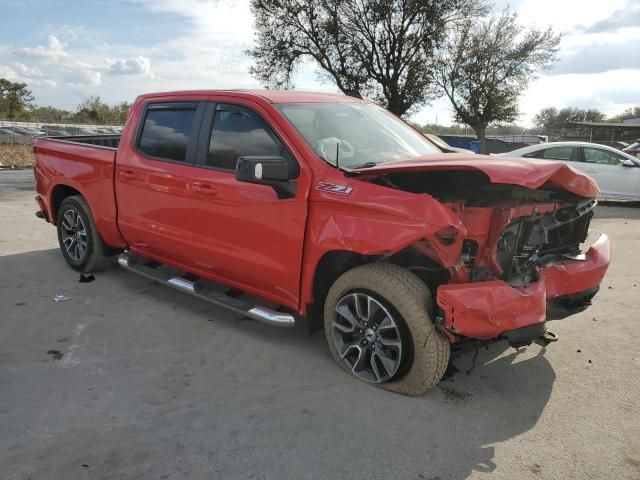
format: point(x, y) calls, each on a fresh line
point(486, 65)
point(95, 111)
point(15, 100)
point(16, 103)
point(552, 121)
point(50, 115)
point(379, 49)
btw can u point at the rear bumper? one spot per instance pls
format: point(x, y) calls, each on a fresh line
point(486, 310)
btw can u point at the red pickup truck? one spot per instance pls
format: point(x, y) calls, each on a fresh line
point(284, 206)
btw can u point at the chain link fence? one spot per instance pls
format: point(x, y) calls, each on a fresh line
point(23, 133)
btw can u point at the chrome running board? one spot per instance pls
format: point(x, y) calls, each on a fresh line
point(188, 283)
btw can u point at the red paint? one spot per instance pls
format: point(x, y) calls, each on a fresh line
point(527, 172)
point(485, 309)
point(571, 276)
point(240, 234)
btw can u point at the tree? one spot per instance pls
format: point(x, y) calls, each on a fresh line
point(628, 113)
point(486, 65)
point(380, 49)
point(15, 99)
point(552, 121)
point(93, 110)
point(546, 120)
point(50, 115)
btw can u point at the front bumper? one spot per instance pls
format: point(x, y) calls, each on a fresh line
point(486, 310)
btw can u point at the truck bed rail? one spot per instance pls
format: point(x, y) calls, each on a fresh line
point(110, 141)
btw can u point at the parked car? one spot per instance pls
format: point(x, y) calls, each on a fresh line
point(330, 209)
point(6, 136)
point(617, 173)
point(633, 149)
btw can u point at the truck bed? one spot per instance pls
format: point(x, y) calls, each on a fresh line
point(85, 164)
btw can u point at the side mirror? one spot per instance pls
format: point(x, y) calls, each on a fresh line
point(627, 162)
point(273, 171)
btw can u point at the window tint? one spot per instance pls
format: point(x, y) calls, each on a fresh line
point(238, 133)
point(554, 153)
point(166, 132)
point(602, 157)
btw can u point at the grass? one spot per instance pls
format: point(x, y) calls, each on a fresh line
point(16, 156)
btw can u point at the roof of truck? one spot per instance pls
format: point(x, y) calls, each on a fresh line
point(272, 96)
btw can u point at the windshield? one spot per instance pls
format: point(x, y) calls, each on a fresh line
point(357, 135)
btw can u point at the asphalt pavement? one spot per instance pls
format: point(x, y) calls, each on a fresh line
point(130, 380)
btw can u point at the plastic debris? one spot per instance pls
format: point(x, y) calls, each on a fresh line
point(60, 298)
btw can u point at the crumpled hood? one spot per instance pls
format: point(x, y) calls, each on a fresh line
point(526, 172)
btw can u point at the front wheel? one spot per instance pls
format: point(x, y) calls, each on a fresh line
point(79, 240)
point(378, 327)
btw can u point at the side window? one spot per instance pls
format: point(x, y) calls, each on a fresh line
point(555, 153)
point(602, 157)
point(237, 133)
point(166, 131)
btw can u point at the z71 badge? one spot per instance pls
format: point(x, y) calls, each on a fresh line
point(333, 188)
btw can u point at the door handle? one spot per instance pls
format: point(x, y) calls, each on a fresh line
point(128, 175)
point(590, 170)
point(203, 188)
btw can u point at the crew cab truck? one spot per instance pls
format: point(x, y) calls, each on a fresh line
point(330, 209)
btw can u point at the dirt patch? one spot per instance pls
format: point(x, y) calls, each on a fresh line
point(16, 156)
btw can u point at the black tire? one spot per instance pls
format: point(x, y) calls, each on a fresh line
point(93, 256)
point(404, 295)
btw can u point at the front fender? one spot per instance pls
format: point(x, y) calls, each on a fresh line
point(375, 226)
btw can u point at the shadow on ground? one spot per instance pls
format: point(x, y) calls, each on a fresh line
point(150, 383)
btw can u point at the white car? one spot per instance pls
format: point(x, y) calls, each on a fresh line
point(617, 173)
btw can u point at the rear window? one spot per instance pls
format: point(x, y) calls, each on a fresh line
point(166, 131)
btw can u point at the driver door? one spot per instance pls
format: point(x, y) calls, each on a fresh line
point(242, 233)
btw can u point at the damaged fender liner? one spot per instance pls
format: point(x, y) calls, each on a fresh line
point(486, 310)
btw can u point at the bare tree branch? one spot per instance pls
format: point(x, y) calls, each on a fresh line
point(483, 68)
point(380, 49)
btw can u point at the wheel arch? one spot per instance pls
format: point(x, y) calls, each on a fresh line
point(106, 228)
point(334, 263)
point(58, 194)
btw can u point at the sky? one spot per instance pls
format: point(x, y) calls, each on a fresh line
point(67, 50)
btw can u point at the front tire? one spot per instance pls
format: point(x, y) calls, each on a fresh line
point(378, 327)
point(79, 240)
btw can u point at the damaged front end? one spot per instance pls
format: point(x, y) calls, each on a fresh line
point(531, 270)
point(518, 261)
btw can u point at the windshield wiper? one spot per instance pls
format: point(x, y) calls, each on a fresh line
point(364, 165)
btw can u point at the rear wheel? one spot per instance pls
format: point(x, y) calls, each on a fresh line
point(79, 240)
point(378, 328)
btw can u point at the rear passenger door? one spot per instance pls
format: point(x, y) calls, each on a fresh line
point(153, 177)
point(243, 234)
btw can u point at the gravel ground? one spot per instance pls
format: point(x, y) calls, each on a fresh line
point(129, 380)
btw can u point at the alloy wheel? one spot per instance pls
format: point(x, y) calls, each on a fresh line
point(367, 337)
point(74, 235)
